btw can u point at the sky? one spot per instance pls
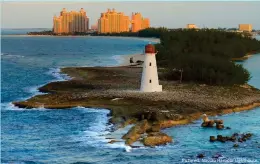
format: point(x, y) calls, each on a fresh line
point(169, 14)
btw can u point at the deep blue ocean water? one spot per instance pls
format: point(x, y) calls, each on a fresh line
point(78, 134)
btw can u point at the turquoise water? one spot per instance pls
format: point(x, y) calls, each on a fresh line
point(78, 135)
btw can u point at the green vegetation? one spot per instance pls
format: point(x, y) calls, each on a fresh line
point(205, 56)
point(206, 69)
point(41, 33)
point(208, 41)
point(149, 32)
point(126, 34)
point(62, 34)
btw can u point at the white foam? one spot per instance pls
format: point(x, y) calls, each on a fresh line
point(11, 56)
point(96, 135)
point(33, 90)
point(120, 145)
point(56, 72)
point(10, 106)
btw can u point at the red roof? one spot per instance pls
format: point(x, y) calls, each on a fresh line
point(149, 48)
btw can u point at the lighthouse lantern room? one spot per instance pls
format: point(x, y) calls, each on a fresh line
point(149, 81)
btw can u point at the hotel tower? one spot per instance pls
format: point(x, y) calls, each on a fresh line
point(245, 27)
point(139, 23)
point(113, 22)
point(116, 22)
point(70, 22)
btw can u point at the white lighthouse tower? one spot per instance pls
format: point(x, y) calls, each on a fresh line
point(150, 82)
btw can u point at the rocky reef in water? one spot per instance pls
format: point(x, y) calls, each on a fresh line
point(116, 88)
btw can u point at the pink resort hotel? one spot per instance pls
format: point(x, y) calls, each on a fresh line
point(109, 22)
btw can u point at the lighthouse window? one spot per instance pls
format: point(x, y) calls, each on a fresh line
point(150, 81)
point(150, 64)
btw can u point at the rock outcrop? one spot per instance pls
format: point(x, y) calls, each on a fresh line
point(156, 138)
point(207, 122)
point(200, 156)
point(135, 132)
point(234, 137)
point(148, 133)
point(210, 123)
point(219, 124)
point(212, 139)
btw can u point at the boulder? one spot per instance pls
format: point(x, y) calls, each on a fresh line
point(220, 126)
point(204, 124)
point(235, 145)
point(248, 135)
point(219, 137)
point(170, 123)
point(207, 122)
point(212, 138)
point(205, 118)
point(211, 123)
point(154, 128)
point(222, 138)
point(200, 156)
point(129, 121)
point(219, 121)
point(156, 138)
point(232, 138)
point(135, 132)
point(132, 139)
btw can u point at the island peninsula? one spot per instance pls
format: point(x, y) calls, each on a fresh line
point(214, 90)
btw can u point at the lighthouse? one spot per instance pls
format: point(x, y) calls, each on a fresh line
point(149, 81)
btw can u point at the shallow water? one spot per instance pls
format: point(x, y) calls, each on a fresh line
point(79, 135)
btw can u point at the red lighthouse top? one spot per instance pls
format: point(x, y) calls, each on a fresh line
point(149, 48)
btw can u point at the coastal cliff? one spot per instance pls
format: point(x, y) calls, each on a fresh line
point(117, 89)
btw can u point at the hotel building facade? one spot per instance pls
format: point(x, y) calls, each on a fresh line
point(191, 26)
point(70, 22)
point(139, 23)
point(113, 22)
point(245, 27)
point(116, 22)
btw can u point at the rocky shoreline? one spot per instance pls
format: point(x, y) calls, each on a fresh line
point(116, 88)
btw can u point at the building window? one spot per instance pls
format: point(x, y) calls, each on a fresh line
point(150, 64)
point(150, 81)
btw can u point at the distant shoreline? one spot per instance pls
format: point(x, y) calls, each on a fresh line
point(157, 40)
